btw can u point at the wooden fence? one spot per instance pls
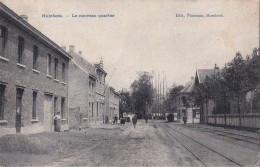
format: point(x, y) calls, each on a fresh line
point(248, 120)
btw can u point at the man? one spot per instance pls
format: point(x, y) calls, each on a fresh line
point(134, 119)
point(115, 119)
point(184, 119)
point(57, 120)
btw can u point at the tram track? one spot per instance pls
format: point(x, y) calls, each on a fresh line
point(206, 155)
point(239, 137)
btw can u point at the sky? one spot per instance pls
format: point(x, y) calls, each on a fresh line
point(146, 35)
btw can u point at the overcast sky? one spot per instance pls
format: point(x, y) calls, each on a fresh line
point(146, 35)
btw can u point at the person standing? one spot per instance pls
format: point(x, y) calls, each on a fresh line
point(57, 122)
point(134, 119)
point(184, 119)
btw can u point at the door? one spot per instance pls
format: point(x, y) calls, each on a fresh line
point(18, 119)
point(47, 113)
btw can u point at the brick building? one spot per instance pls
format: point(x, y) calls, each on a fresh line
point(33, 76)
point(86, 91)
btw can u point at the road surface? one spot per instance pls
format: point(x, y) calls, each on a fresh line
point(166, 144)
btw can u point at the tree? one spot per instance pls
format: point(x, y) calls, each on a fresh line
point(125, 105)
point(171, 100)
point(142, 93)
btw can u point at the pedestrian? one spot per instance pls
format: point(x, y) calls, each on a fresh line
point(57, 122)
point(115, 119)
point(146, 119)
point(184, 119)
point(134, 119)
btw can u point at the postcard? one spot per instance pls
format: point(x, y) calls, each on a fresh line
point(129, 83)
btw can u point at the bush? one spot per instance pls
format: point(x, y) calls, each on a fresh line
point(170, 117)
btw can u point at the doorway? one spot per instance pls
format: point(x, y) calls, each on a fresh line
point(47, 112)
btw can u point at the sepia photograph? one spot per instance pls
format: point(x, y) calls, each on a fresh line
point(129, 83)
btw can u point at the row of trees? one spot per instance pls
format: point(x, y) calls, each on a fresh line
point(231, 84)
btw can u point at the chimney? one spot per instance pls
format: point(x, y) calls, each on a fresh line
point(80, 53)
point(216, 69)
point(24, 17)
point(63, 47)
point(101, 62)
point(71, 48)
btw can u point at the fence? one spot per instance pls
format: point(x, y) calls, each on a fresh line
point(248, 120)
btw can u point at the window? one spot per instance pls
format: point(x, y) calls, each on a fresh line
point(48, 64)
point(62, 108)
point(56, 68)
point(35, 57)
point(34, 105)
point(20, 49)
point(55, 105)
point(89, 85)
point(92, 109)
point(2, 91)
point(63, 72)
point(97, 109)
point(3, 38)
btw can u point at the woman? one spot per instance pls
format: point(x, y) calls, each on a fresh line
point(57, 120)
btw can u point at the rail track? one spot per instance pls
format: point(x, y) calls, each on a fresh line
point(206, 155)
point(240, 137)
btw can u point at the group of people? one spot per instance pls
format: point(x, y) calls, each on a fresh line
point(134, 120)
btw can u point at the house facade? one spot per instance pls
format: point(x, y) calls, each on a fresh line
point(86, 91)
point(185, 106)
point(33, 77)
point(112, 104)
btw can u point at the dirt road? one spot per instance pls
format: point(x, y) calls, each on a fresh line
point(146, 145)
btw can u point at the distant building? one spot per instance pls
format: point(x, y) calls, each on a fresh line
point(112, 104)
point(205, 108)
point(185, 106)
point(33, 76)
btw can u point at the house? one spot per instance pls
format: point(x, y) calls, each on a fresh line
point(112, 104)
point(86, 91)
point(185, 106)
point(80, 93)
point(33, 77)
point(205, 108)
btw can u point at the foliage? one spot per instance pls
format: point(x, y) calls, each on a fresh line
point(142, 93)
point(238, 77)
point(125, 105)
point(171, 100)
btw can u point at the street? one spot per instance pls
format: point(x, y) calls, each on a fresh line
point(166, 144)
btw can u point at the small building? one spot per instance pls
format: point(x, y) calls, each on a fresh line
point(185, 106)
point(33, 77)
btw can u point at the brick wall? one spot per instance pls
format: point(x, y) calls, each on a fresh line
point(13, 76)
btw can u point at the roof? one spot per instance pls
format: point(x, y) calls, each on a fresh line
point(83, 63)
point(189, 87)
point(18, 21)
point(202, 73)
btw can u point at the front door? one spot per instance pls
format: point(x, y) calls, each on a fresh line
point(18, 121)
point(47, 113)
